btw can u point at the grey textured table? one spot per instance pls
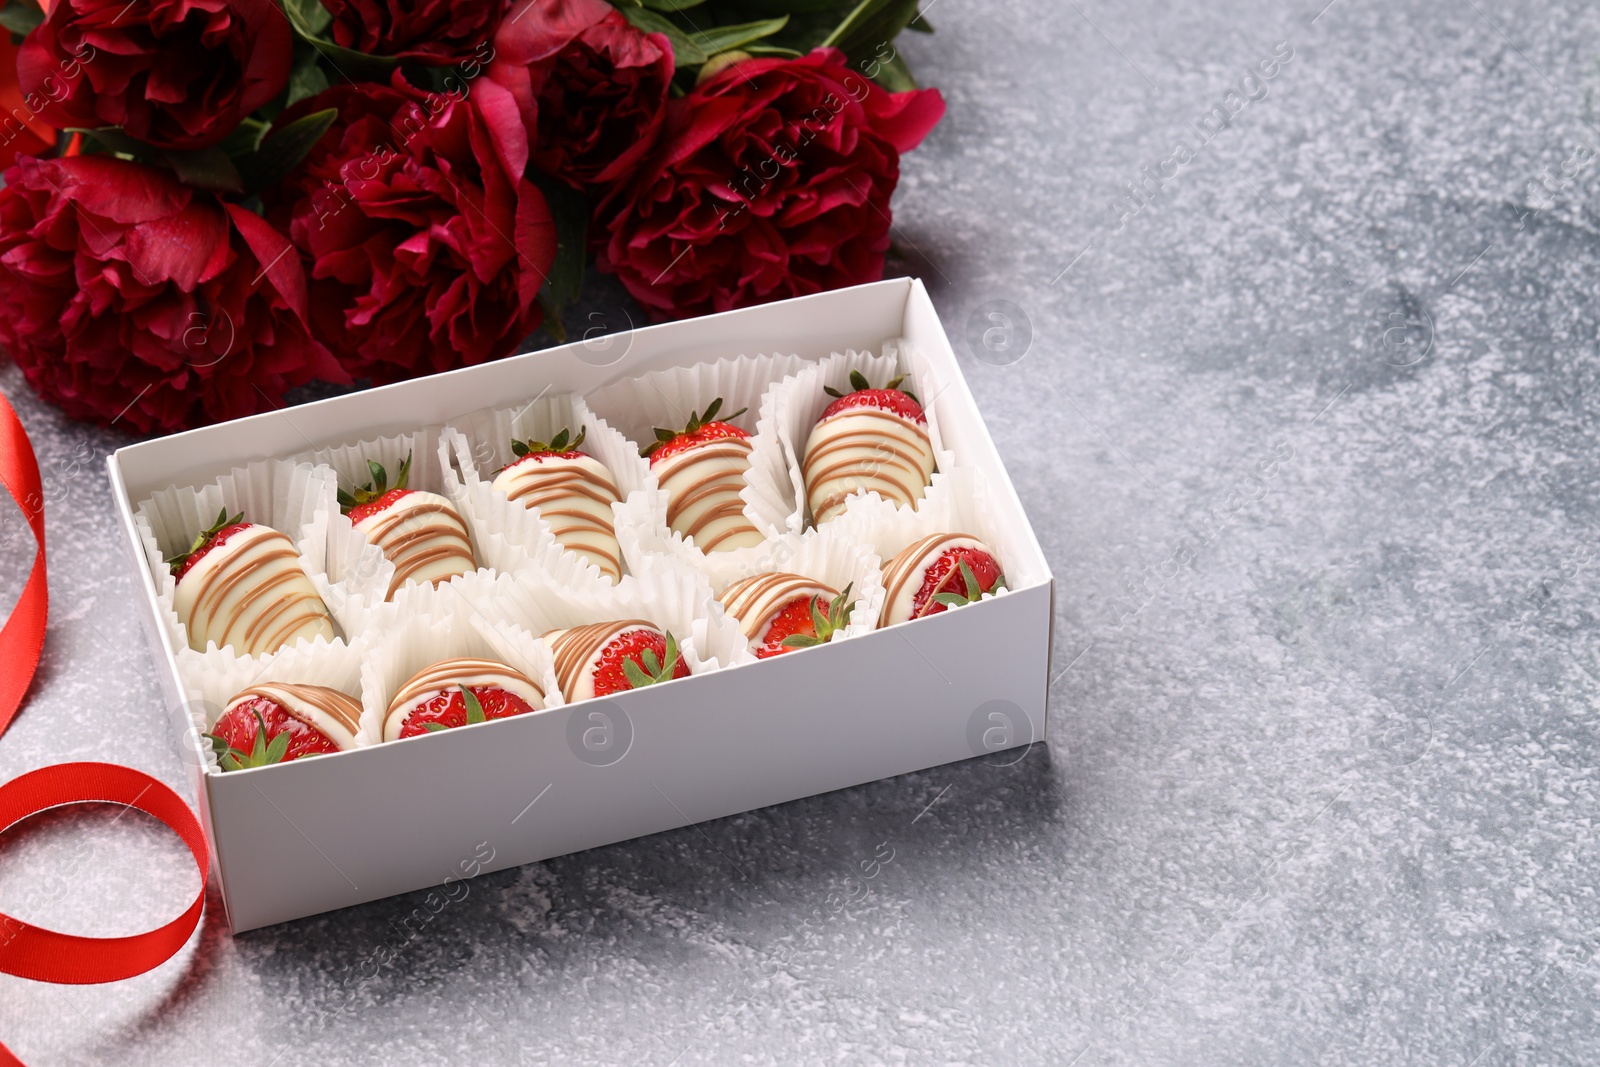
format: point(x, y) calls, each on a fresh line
point(1309, 439)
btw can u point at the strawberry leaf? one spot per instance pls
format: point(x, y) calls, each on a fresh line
point(474, 706)
point(858, 381)
point(951, 600)
point(800, 641)
point(648, 660)
point(519, 448)
point(711, 412)
point(380, 477)
point(278, 748)
point(434, 727)
point(635, 675)
point(974, 591)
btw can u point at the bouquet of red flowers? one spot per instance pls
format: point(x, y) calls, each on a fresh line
point(209, 202)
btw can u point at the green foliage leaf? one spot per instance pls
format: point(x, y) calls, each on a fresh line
point(307, 79)
point(872, 24)
point(309, 19)
point(208, 168)
point(570, 209)
point(727, 38)
point(21, 16)
point(283, 149)
point(672, 5)
point(894, 76)
point(685, 53)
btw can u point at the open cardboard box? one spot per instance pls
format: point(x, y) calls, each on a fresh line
point(311, 835)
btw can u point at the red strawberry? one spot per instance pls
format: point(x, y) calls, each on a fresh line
point(375, 496)
point(891, 397)
point(637, 658)
point(557, 448)
point(463, 705)
point(700, 429)
point(805, 621)
point(958, 577)
point(211, 537)
point(258, 731)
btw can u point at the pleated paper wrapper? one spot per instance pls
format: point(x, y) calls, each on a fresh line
point(956, 502)
point(212, 679)
point(796, 405)
point(668, 595)
point(296, 499)
point(440, 625)
point(665, 398)
point(512, 536)
point(823, 555)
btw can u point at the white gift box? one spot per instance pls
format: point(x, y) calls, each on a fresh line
point(307, 836)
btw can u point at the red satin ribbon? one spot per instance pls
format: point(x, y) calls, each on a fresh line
point(30, 951)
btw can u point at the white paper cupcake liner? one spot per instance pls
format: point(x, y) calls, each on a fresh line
point(212, 679)
point(513, 536)
point(354, 575)
point(825, 555)
point(665, 398)
point(796, 404)
point(442, 624)
point(956, 502)
point(294, 498)
point(666, 593)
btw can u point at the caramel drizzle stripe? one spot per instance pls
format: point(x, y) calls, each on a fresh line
point(446, 673)
point(723, 481)
point(881, 446)
point(577, 646)
point(755, 600)
point(901, 568)
point(734, 507)
point(338, 706)
point(573, 478)
point(219, 581)
point(874, 436)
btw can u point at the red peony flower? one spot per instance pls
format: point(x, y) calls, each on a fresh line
point(772, 180)
point(173, 73)
point(427, 246)
point(22, 131)
point(591, 88)
point(128, 298)
point(440, 32)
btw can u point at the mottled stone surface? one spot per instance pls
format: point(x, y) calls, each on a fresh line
point(1310, 442)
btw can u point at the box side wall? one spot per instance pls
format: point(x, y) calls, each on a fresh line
point(811, 326)
point(166, 669)
point(324, 834)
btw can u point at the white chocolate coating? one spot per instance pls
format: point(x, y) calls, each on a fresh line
point(578, 650)
point(447, 674)
point(574, 495)
point(423, 537)
point(865, 449)
point(703, 484)
point(904, 575)
point(250, 594)
point(337, 715)
point(754, 601)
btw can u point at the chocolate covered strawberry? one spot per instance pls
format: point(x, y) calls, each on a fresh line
point(614, 657)
point(419, 532)
point(702, 468)
point(572, 491)
point(938, 572)
point(869, 440)
point(458, 692)
point(275, 722)
point(782, 612)
point(240, 585)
